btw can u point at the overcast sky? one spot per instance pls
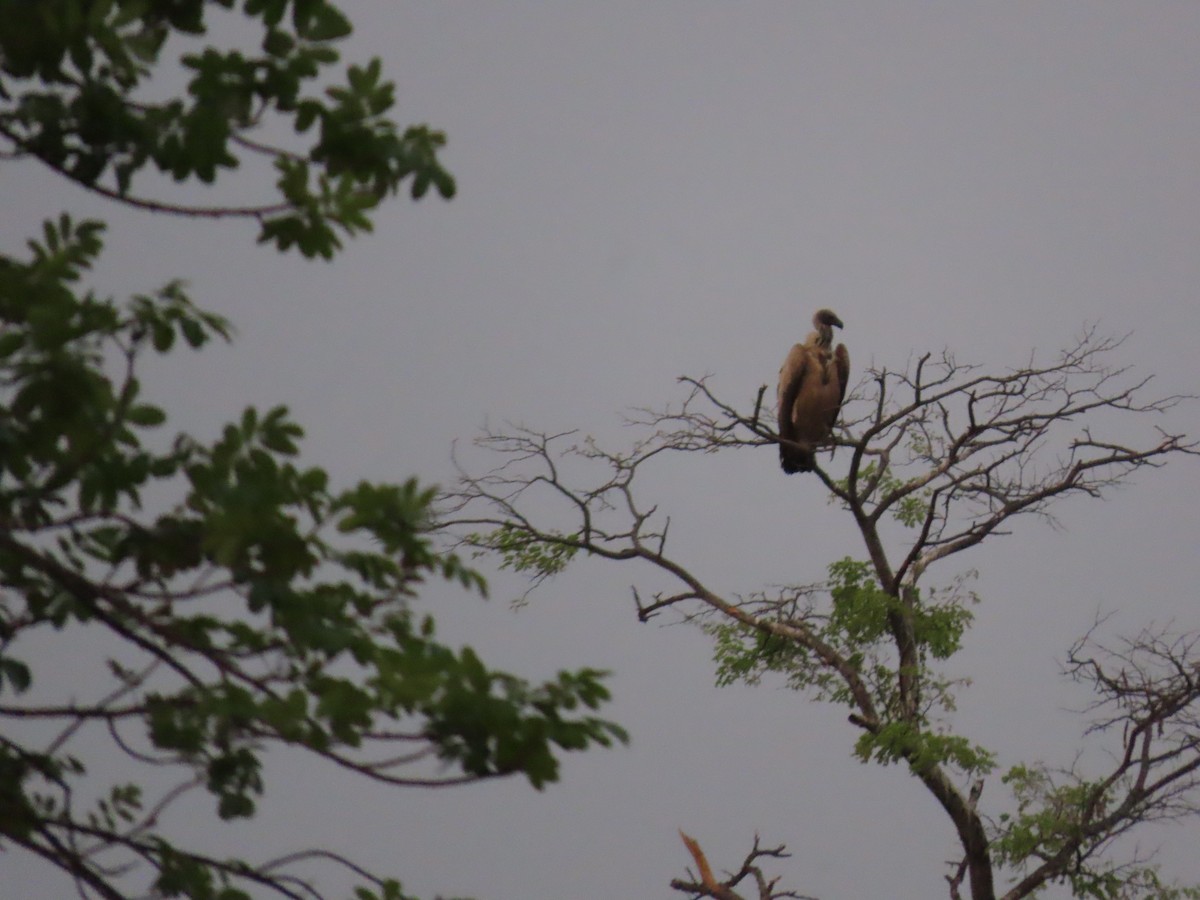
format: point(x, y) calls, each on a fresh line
point(655, 189)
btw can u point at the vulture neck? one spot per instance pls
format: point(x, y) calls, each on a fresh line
point(824, 335)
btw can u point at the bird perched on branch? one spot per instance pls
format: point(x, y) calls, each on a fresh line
point(812, 383)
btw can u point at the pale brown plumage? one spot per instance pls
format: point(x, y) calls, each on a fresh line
point(812, 383)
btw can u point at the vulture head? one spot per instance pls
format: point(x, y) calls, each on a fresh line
point(825, 320)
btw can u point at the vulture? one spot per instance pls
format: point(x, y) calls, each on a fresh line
point(812, 383)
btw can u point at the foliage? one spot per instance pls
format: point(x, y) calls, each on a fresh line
point(1051, 817)
point(854, 624)
point(909, 509)
point(517, 552)
point(75, 76)
point(260, 608)
point(538, 560)
point(237, 602)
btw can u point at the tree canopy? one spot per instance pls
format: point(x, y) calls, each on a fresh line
point(240, 601)
point(79, 91)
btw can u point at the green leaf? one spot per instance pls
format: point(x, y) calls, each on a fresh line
point(146, 415)
point(10, 343)
point(278, 42)
point(319, 21)
point(16, 673)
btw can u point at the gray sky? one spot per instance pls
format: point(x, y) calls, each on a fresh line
point(649, 190)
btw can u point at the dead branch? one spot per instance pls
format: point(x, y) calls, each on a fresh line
point(708, 886)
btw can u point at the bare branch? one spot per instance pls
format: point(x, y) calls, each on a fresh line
point(707, 884)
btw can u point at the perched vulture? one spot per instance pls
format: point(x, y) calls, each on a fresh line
point(812, 383)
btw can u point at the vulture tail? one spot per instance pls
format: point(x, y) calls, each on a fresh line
point(796, 459)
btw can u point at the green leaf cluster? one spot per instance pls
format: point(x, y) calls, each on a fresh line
point(861, 608)
point(921, 748)
point(851, 616)
point(908, 503)
point(1054, 816)
point(75, 76)
point(854, 623)
point(251, 603)
point(519, 552)
point(246, 602)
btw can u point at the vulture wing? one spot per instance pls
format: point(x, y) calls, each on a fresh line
point(841, 364)
point(800, 369)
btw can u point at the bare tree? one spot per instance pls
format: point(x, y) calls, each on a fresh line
point(942, 456)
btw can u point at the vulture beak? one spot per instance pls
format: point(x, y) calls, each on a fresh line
point(826, 317)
